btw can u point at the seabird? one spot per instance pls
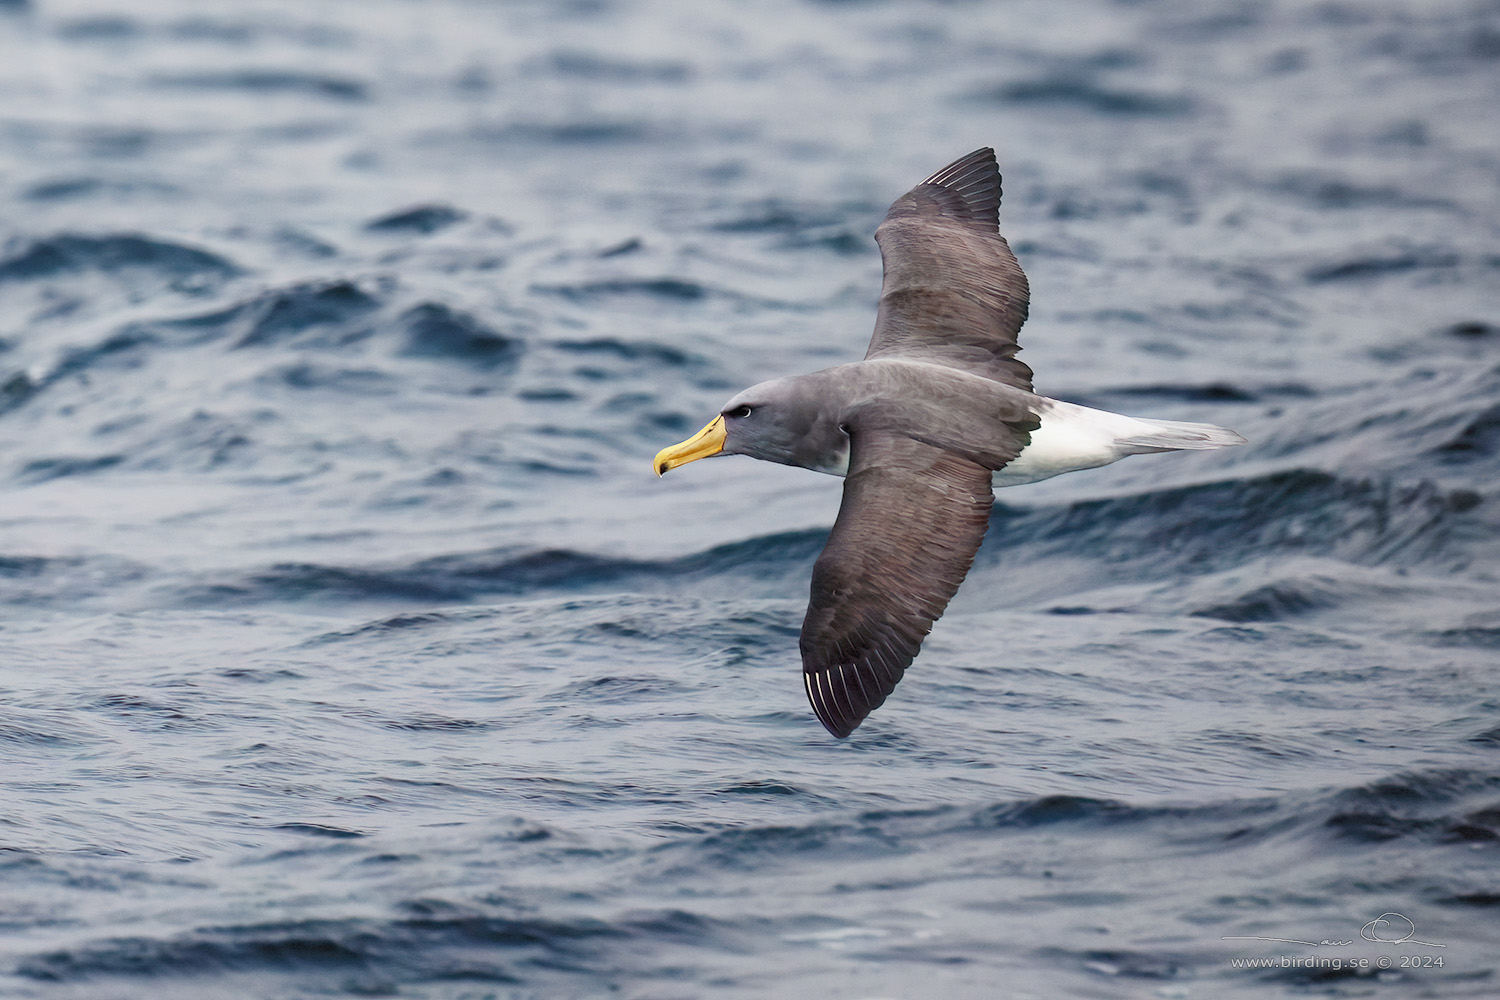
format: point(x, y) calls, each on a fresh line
point(938, 414)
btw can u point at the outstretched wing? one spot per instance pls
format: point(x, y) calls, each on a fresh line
point(953, 292)
point(912, 518)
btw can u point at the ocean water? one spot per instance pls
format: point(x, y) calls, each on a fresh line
point(349, 647)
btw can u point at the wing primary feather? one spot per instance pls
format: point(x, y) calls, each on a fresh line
point(846, 706)
point(825, 710)
point(838, 714)
point(976, 180)
point(815, 697)
point(882, 659)
point(865, 701)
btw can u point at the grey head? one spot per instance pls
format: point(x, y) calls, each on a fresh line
point(790, 421)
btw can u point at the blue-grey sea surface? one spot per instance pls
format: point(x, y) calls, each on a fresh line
point(349, 647)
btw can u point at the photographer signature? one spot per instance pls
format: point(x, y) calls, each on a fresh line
point(1388, 928)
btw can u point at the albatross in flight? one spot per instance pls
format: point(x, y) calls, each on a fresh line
point(938, 413)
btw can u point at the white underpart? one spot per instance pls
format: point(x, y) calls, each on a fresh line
point(1074, 437)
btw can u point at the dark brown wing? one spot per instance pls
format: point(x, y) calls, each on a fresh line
point(912, 518)
point(953, 292)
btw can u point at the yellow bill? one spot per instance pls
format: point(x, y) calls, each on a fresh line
point(708, 441)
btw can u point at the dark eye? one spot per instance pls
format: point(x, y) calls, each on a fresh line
point(738, 411)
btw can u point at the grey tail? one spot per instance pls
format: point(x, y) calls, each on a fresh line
point(1176, 435)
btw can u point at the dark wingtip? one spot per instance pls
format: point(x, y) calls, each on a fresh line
point(844, 693)
point(825, 705)
point(975, 179)
point(982, 159)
